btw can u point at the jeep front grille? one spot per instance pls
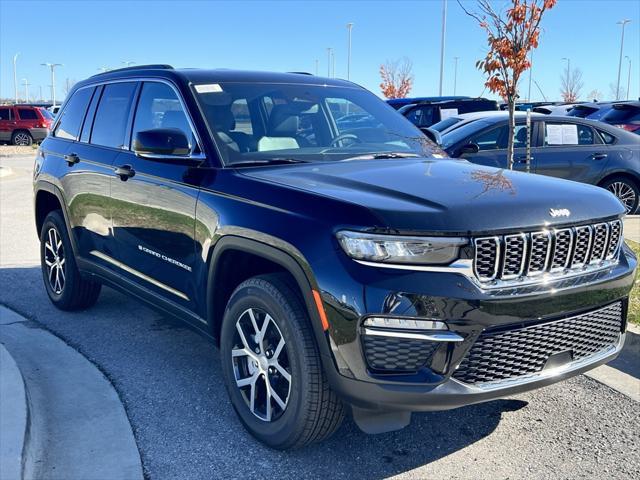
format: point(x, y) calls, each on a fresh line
point(525, 255)
point(509, 353)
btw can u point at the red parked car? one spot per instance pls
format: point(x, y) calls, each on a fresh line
point(24, 124)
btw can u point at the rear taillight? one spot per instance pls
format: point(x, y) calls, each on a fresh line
point(629, 127)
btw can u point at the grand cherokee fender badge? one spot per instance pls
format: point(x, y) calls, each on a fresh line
point(559, 212)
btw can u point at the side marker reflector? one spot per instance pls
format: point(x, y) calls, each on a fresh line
point(321, 312)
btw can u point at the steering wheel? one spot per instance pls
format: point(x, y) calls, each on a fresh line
point(345, 136)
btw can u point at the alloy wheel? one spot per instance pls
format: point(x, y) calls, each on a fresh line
point(54, 259)
point(261, 364)
point(22, 139)
point(625, 193)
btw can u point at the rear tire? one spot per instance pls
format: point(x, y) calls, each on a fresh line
point(627, 191)
point(21, 137)
point(66, 287)
point(312, 411)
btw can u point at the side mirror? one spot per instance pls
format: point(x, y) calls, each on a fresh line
point(161, 142)
point(469, 149)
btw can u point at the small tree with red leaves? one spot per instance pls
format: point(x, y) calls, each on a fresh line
point(511, 35)
point(397, 78)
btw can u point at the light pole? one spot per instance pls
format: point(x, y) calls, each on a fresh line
point(455, 74)
point(349, 28)
point(26, 84)
point(623, 23)
point(329, 52)
point(40, 98)
point(444, 28)
point(128, 63)
point(15, 76)
point(52, 66)
point(568, 72)
point(628, 76)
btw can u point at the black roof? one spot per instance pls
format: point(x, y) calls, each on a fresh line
point(197, 75)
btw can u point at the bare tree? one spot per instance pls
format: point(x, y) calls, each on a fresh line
point(595, 95)
point(397, 78)
point(571, 84)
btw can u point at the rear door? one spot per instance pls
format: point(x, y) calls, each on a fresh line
point(154, 208)
point(7, 123)
point(572, 151)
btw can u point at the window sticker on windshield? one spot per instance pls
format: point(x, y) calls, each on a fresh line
point(208, 88)
point(448, 112)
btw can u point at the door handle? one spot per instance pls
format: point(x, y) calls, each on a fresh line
point(599, 156)
point(71, 159)
point(125, 172)
point(522, 159)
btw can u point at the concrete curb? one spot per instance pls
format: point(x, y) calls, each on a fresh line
point(77, 426)
point(13, 417)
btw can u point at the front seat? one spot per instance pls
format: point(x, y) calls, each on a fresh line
point(282, 130)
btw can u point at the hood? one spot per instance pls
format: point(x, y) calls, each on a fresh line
point(434, 195)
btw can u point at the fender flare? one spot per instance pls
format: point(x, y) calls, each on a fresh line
point(304, 280)
point(48, 187)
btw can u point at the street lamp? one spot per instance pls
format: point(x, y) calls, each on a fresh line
point(349, 28)
point(15, 76)
point(52, 66)
point(568, 71)
point(628, 75)
point(444, 26)
point(26, 84)
point(329, 53)
point(623, 23)
point(455, 74)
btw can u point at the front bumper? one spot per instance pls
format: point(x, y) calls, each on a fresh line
point(468, 312)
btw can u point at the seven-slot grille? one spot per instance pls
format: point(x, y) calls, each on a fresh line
point(522, 255)
point(519, 351)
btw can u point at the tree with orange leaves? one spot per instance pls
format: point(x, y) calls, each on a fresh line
point(511, 36)
point(397, 78)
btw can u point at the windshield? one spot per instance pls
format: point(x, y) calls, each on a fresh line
point(459, 134)
point(262, 122)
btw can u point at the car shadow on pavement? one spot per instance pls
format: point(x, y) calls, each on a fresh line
point(170, 382)
point(629, 359)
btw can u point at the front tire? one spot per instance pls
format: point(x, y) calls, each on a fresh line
point(272, 368)
point(66, 288)
point(627, 191)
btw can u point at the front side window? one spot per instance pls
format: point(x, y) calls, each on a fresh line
point(557, 134)
point(159, 107)
point(5, 114)
point(304, 122)
point(73, 114)
point(112, 115)
point(27, 114)
point(493, 139)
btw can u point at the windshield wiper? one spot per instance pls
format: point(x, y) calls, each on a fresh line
point(266, 161)
point(384, 155)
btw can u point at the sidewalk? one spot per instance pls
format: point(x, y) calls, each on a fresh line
point(77, 427)
point(632, 228)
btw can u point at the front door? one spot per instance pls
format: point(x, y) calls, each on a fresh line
point(154, 204)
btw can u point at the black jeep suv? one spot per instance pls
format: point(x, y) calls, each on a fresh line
point(335, 268)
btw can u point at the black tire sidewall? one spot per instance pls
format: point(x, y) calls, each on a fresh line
point(66, 298)
point(279, 433)
point(633, 185)
point(13, 137)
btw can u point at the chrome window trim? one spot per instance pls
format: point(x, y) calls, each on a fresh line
point(142, 79)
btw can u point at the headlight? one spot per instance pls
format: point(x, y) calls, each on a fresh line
point(399, 249)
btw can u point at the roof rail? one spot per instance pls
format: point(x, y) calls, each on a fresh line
point(159, 66)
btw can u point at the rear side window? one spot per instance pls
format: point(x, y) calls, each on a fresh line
point(5, 114)
point(73, 114)
point(112, 115)
point(27, 114)
point(607, 138)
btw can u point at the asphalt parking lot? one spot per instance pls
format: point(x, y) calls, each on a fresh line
point(169, 381)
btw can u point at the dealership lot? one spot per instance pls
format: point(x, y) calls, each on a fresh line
point(170, 383)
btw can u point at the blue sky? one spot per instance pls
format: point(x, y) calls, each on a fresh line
point(291, 35)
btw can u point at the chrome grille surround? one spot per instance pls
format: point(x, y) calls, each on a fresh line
point(523, 258)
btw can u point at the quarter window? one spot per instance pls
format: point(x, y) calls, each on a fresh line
point(112, 115)
point(607, 138)
point(73, 114)
point(159, 107)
